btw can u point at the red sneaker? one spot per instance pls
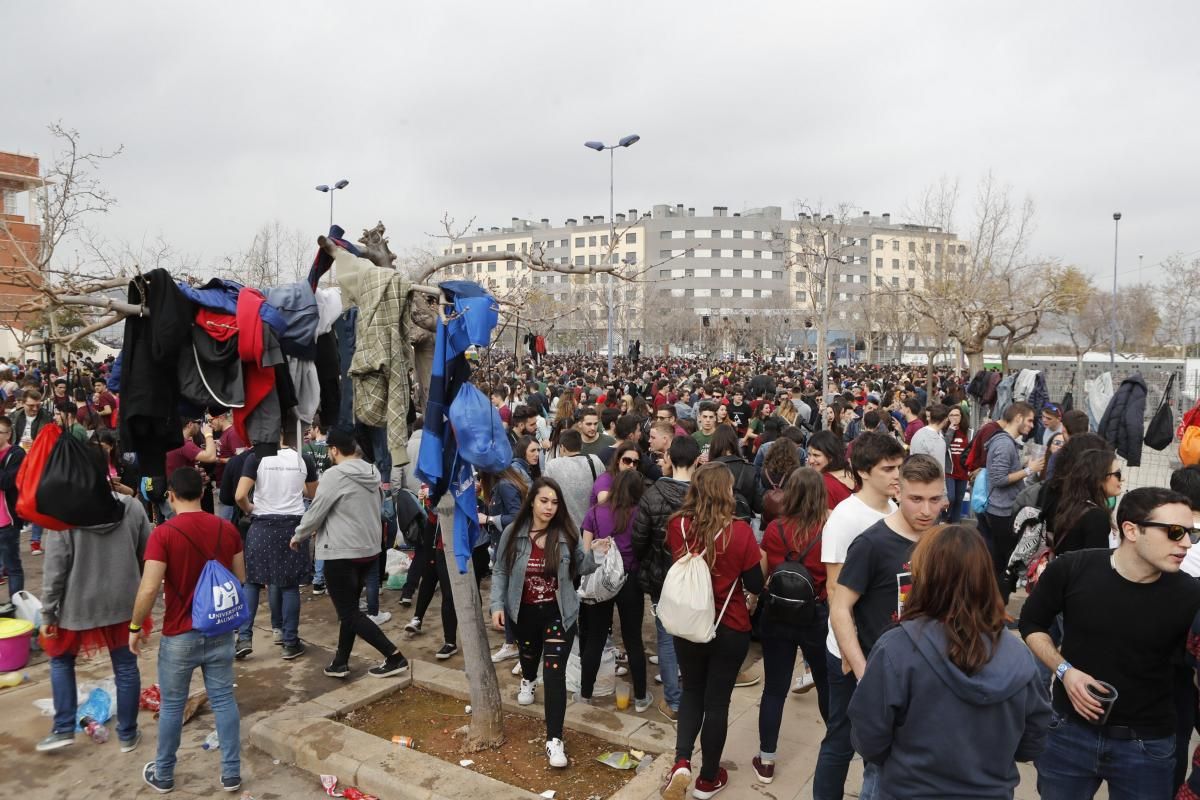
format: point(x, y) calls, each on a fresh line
point(35, 548)
point(677, 780)
point(765, 772)
point(706, 789)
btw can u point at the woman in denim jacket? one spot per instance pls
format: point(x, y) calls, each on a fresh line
point(538, 560)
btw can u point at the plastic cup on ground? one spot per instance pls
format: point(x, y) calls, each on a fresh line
point(623, 692)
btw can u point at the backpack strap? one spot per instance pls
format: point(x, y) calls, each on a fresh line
point(590, 464)
point(728, 597)
point(167, 524)
point(804, 553)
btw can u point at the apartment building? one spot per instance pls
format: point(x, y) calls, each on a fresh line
point(738, 270)
point(20, 238)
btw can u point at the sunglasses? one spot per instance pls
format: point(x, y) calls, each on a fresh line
point(1174, 532)
point(630, 462)
point(1116, 474)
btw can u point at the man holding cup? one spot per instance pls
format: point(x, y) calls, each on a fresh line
point(1126, 614)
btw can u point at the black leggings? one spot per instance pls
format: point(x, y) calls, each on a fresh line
point(709, 672)
point(1002, 540)
point(594, 623)
point(416, 570)
point(345, 579)
point(540, 634)
point(479, 560)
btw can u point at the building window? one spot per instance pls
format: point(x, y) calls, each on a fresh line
point(703, 293)
point(491, 248)
point(509, 282)
point(664, 234)
point(841, 315)
point(631, 238)
point(579, 261)
point(737, 234)
point(604, 240)
point(777, 274)
point(737, 273)
point(879, 280)
point(704, 273)
point(591, 260)
point(591, 241)
point(664, 253)
point(895, 244)
point(457, 250)
point(912, 264)
point(912, 283)
point(511, 247)
point(631, 258)
point(879, 263)
point(895, 283)
point(801, 296)
point(491, 266)
point(689, 273)
point(842, 278)
point(912, 247)
point(664, 273)
point(579, 241)
point(564, 243)
point(737, 253)
point(509, 264)
point(895, 263)
point(689, 292)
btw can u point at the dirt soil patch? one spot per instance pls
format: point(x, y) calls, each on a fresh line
point(431, 719)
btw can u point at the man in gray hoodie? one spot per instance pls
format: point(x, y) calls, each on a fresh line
point(345, 516)
point(88, 588)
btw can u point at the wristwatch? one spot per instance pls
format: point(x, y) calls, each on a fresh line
point(1062, 669)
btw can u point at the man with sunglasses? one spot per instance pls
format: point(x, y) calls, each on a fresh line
point(1126, 614)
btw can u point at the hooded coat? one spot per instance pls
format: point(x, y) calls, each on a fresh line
point(92, 574)
point(1124, 421)
point(345, 513)
point(938, 732)
point(662, 499)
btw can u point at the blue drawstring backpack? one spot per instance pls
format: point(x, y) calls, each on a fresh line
point(482, 441)
point(218, 605)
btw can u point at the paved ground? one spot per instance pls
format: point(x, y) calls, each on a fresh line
point(266, 683)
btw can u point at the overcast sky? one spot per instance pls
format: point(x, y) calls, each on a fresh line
point(230, 117)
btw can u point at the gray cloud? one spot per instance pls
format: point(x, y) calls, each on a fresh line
point(231, 113)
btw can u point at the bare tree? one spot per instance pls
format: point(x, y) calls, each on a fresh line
point(276, 255)
point(70, 194)
point(991, 288)
point(1080, 318)
point(1178, 299)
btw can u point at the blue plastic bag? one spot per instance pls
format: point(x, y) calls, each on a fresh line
point(482, 441)
point(979, 492)
point(98, 706)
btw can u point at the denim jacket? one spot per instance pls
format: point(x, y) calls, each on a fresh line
point(507, 587)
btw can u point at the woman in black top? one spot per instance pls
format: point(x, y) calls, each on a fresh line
point(1082, 519)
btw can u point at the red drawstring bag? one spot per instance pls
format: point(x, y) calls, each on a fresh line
point(30, 475)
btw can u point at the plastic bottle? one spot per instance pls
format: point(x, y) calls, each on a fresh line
point(94, 729)
point(10, 679)
point(211, 742)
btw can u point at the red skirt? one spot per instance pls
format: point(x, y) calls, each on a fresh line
point(91, 641)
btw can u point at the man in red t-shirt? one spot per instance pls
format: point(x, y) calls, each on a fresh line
point(103, 403)
point(175, 555)
point(190, 454)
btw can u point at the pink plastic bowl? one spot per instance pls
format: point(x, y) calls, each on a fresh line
point(14, 643)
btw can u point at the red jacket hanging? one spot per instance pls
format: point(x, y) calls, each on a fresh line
point(259, 380)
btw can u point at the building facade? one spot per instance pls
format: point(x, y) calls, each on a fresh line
point(20, 241)
point(719, 282)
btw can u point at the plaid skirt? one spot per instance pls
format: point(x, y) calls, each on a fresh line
point(269, 560)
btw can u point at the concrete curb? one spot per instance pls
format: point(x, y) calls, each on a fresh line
point(308, 736)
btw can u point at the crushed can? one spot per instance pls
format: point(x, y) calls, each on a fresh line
point(404, 741)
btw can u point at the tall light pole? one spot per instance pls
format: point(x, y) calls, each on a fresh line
point(1112, 349)
point(600, 147)
point(342, 184)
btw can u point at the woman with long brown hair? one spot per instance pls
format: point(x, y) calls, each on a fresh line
point(564, 418)
point(705, 524)
point(539, 559)
point(1082, 519)
point(794, 536)
point(626, 456)
point(949, 702)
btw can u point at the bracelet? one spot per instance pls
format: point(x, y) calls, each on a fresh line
point(135, 628)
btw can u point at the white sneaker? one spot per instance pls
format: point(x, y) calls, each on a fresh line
point(506, 651)
point(413, 627)
point(653, 660)
point(516, 670)
point(525, 698)
point(381, 617)
point(804, 683)
point(556, 753)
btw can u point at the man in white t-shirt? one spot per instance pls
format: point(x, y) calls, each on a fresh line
point(875, 462)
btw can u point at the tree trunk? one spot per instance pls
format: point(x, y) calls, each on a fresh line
point(487, 719)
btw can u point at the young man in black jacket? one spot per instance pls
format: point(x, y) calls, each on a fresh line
point(1126, 613)
point(660, 501)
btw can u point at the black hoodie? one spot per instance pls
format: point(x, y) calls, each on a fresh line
point(660, 501)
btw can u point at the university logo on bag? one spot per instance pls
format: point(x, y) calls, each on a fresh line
point(225, 597)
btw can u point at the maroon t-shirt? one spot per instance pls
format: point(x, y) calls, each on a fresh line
point(209, 536)
point(182, 457)
point(737, 551)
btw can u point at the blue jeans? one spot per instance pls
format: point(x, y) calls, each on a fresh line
point(955, 489)
point(1079, 756)
point(35, 533)
point(833, 761)
point(10, 558)
point(319, 572)
point(129, 687)
point(284, 602)
point(223, 511)
point(668, 665)
point(178, 657)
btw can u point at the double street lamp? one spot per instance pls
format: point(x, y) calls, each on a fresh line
point(1112, 348)
point(600, 147)
point(342, 184)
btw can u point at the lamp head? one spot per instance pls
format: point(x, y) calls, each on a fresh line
point(1117, 216)
point(597, 146)
point(632, 138)
point(322, 188)
point(342, 184)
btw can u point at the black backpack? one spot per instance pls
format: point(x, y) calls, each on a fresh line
point(790, 596)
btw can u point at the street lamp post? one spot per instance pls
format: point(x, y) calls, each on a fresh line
point(342, 184)
point(600, 147)
point(1112, 349)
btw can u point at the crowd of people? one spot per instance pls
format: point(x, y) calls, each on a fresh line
point(833, 521)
